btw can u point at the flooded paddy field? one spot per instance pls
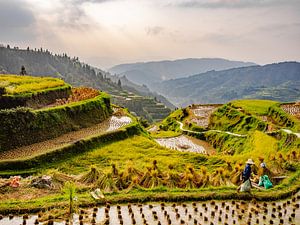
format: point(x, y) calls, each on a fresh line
point(206, 212)
point(186, 144)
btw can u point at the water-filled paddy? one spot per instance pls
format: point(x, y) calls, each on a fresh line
point(185, 144)
point(206, 212)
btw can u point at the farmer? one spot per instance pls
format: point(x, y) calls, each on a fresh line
point(264, 176)
point(246, 185)
point(247, 170)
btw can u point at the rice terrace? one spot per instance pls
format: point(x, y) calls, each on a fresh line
point(69, 156)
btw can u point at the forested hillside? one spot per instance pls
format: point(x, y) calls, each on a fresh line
point(150, 72)
point(279, 81)
point(42, 62)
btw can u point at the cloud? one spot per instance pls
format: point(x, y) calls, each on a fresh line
point(12, 14)
point(16, 21)
point(93, 1)
point(154, 30)
point(66, 14)
point(215, 4)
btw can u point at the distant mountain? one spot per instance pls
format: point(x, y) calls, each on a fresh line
point(42, 62)
point(280, 81)
point(151, 72)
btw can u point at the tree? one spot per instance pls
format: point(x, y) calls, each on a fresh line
point(8, 46)
point(119, 83)
point(23, 71)
point(100, 75)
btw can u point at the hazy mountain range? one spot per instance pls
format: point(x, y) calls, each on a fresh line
point(279, 81)
point(150, 73)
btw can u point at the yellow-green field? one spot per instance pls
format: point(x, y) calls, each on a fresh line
point(254, 106)
point(16, 84)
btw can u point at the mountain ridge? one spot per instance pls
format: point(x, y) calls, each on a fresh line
point(155, 71)
point(277, 81)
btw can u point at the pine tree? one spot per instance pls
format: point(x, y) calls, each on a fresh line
point(23, 71)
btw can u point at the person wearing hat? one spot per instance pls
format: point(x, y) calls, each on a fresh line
point(246, 185)
point(247, 171)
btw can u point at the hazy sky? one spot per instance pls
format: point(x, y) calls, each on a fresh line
point(108, 32)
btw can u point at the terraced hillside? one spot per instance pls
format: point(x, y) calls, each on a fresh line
point(240, 118)
point(108, 157)
point(67, 119)
point(146, 107)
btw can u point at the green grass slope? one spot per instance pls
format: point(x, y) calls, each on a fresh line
point(136, 169)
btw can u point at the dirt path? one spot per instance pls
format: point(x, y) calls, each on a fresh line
point(111, 124)
point(219, 131)
point(291, 132)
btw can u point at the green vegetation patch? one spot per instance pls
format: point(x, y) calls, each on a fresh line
point(254, 106)
point(259, 144)
point(163, 134)
point(170, 122)
point(138, 151)
point(228, 118)
point(283, 119)
point(225, 143)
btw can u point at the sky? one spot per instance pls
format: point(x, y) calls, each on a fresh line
point(104, 33)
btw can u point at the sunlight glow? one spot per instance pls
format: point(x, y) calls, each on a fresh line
point(117, 13)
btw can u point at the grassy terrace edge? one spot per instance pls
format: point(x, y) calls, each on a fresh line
point(31, 165)
point(43, 124)
point(36, 98)
point(33, 92)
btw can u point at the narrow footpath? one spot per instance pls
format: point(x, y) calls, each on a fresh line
point(219, 131)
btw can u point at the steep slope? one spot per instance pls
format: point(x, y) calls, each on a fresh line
point(42, 62)
point(278, 82)
point(151, 72)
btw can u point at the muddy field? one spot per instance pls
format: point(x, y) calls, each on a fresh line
point(292, 109)
point(208, 212)
point(202, 114)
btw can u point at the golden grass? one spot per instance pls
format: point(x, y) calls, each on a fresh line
point(15, 84)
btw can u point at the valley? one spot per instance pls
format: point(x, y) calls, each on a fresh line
point(148, 112)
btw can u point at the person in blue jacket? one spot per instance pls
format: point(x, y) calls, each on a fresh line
point(247, 171)
point(246, 176)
